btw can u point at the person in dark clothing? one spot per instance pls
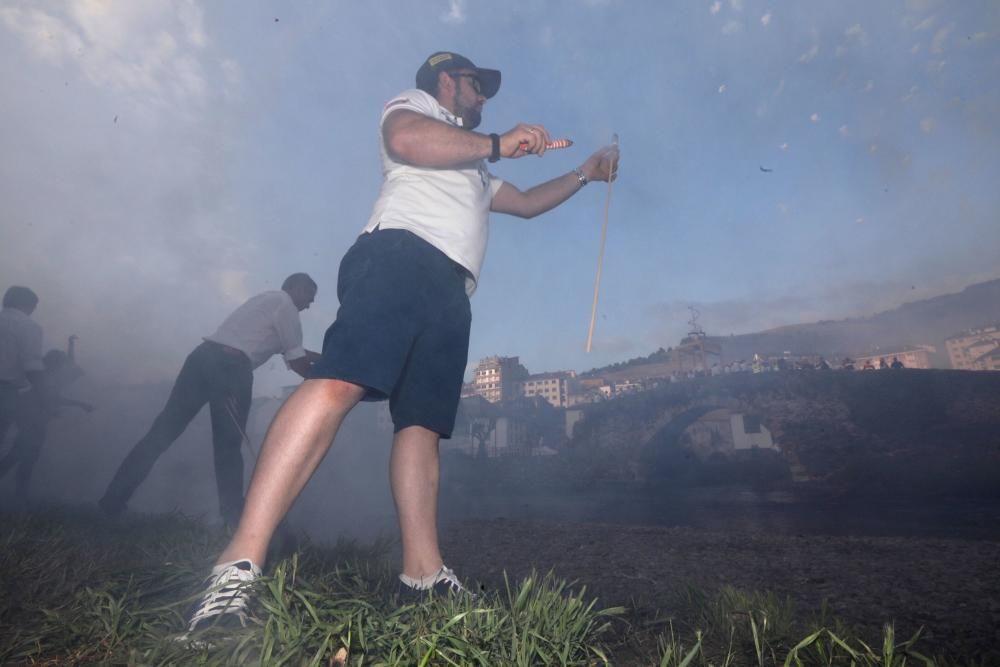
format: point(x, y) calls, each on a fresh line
point(20, 352)
point(220, 372)
point(21, 371)
point(35, 411)
point(896, 363)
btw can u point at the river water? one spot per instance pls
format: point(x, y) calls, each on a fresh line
point(739, 509)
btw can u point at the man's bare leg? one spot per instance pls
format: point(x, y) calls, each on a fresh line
point(414, 474)
point(297, 440)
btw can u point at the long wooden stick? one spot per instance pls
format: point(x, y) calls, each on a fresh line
point(600, 254)
point(232, 409)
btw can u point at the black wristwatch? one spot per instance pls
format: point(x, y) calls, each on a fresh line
point(495, 151)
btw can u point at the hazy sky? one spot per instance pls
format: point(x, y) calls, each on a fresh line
point(162, 161)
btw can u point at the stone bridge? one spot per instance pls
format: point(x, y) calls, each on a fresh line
point(867, 432)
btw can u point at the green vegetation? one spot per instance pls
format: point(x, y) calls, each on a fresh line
point(75, 589)
point(659, 356)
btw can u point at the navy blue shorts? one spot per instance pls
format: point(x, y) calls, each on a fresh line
point(402, 329)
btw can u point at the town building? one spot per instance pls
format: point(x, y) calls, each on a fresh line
point(695, 353)
point(722, 432)
point(585, 390)
point(498, 379)
point(968, 350)
point(554, 387)
point(988, 361)
point(521, 427)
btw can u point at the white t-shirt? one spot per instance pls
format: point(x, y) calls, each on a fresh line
point(20, 346)
point(448, 208)
point(263, 326)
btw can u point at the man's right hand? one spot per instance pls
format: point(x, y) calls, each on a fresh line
point(524, 139)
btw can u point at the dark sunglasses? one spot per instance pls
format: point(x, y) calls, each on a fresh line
point(473, 80)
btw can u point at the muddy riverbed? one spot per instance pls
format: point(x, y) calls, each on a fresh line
point(933, 566)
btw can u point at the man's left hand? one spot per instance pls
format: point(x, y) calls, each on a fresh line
point(603, 164)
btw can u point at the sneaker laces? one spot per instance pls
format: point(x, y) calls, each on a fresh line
point(227, 592)
point(444, 576)
point(447, 576)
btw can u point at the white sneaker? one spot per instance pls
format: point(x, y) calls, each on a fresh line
point(227, 596)
point(441, 583)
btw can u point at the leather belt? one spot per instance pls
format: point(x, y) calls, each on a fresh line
point(228, 349)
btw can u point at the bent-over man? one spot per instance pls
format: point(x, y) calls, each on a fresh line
point(220, 372)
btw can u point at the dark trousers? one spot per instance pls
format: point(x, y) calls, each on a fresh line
point(26, 410)
point(8, 407)
point(213, 374)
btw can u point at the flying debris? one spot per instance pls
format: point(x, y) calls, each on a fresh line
point(765, 169)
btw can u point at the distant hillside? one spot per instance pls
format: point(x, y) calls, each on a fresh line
point(924, 322)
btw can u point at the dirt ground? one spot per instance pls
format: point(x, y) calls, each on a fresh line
point(949, 586)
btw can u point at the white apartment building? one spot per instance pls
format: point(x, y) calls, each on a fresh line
point(498, 378)
point(988, 361)
point(966, 350)
point(554, 387)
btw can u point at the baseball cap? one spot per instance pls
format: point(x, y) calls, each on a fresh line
point(445, 61)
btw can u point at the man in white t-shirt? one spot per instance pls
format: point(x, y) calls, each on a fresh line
point(402, 329)
point(220, 372)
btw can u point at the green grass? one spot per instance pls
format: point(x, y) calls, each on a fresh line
point(75, 589)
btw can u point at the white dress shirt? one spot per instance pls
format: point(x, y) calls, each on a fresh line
point(265, 325)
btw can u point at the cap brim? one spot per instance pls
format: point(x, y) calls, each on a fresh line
point(489, 81)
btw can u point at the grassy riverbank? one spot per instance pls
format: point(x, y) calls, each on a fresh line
point(79, 590)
